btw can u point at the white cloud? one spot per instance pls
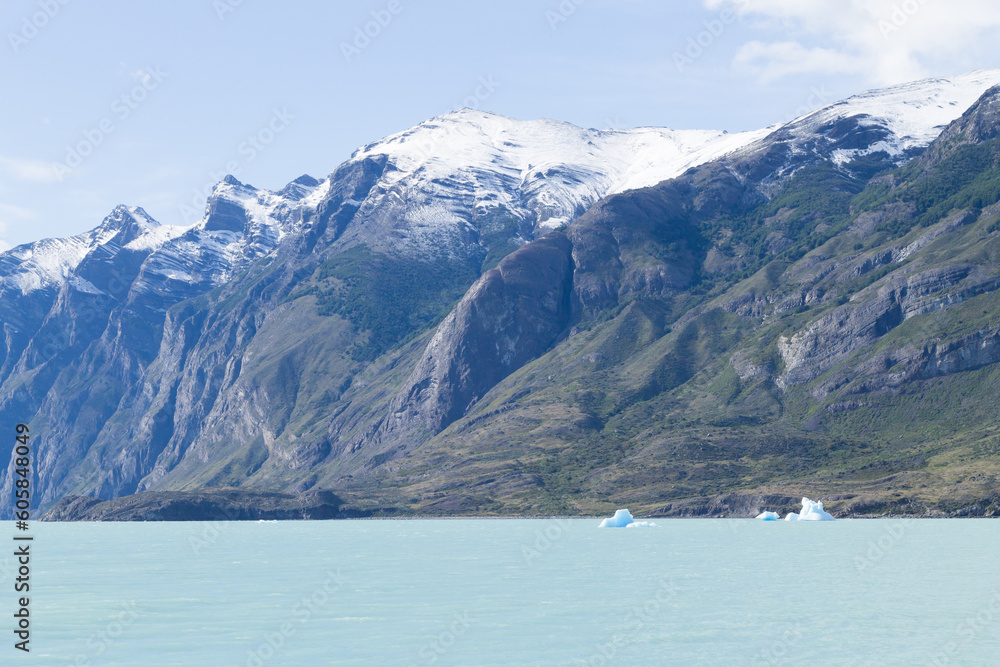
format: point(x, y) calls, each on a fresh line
point(34, 171)
point(885, 41)
point(777, 59)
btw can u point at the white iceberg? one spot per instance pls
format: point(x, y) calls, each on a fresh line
point(621, 519)
point(810, 512)
point(641, 524)
point(769, 516)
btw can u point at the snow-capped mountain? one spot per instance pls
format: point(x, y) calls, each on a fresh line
point(241, 225)
point(439, 181)
point(52, 262)
point(895, 123)
point(546, 172)
point(438, 177)
point(186, 343)
point(913, 114)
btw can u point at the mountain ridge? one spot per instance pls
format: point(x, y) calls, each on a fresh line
point(294, 340)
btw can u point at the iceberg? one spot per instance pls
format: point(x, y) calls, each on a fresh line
point(811, 511)
point(621, 519)
point(641, 524)
point(769, 516)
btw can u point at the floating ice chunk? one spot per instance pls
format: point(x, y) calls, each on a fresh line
point(769, 516)
point(810, 512)
point(641, 524)
point(621, 519)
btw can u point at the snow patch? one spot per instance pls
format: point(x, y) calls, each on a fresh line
point(545, 171)
point(82, 285)
point(155, 238)
point(915, 113)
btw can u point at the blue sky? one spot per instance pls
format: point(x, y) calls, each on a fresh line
point(148, 104)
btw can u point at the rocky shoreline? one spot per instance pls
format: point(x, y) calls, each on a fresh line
point(242, 505)
point(208, 505)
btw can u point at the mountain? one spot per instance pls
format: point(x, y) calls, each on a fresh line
point(487, 315)
point(838, 338)
point(889, 125)
point(103, 330)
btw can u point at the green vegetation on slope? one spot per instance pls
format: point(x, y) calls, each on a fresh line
point(389, 298)
point(967, 178)
point(645, 407)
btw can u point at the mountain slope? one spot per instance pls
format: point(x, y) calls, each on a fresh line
point(857, 362)
point(670, 343)
point(128, 333)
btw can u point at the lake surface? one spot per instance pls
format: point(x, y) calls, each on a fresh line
point(510, 592)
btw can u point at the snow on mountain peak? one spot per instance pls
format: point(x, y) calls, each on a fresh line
point(241, 224)
point(258, 214)
point(51, 262)
point(914, 114)
point(543, 169)
point(469, 139)
point(444, 173)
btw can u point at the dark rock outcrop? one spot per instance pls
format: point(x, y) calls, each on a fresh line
point(510, 316)
point(206, 505)
point(731, 506)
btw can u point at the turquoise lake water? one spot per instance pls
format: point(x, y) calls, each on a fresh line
point(510, 592)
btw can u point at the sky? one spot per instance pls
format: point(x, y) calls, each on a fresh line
point(150, 104)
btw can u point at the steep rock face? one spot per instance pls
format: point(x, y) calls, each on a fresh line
point(962, 157)
point(511, 315)
point(645, 243)
point(617, 249)
point(900, 367)
point(350, 185)
point(105, 326)
point(809, 353)
point(642, 244)
point(60, 374)
point(649, 241)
